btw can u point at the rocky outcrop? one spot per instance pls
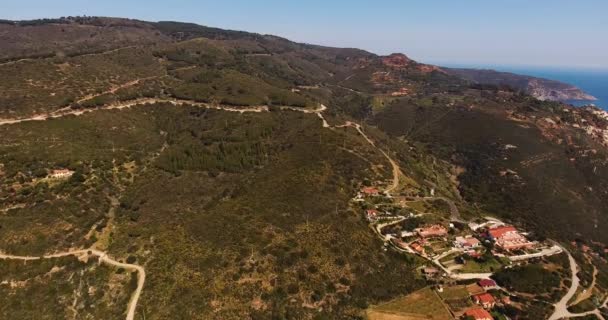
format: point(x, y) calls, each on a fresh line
point(542, 89)
point(397, 60)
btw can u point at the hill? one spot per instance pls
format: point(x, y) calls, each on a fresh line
point(227, 163)
point(542, 89)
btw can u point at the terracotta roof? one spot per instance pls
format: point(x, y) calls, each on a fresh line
point(498, 232)
point(369, 190)
point(478, 314)
point(485, 298)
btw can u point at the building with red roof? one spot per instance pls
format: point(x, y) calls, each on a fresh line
point(371, 214)
point(432, 231)
point(487, 284)
point(467, 242)
point(370, 191)
point(417, 247)
point(508, 238)
point(478, 314)
point(499, 232)
point(485, 300)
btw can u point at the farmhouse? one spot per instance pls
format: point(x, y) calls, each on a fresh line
point(467, 242)
point(478, 314)
point(417, 247)
point(370, 192)
point(485, 300)
point(371, 215)
point(432, 231)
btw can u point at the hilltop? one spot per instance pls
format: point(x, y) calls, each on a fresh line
point(243, 173)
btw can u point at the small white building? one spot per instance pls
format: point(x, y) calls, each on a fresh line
point(61, 173)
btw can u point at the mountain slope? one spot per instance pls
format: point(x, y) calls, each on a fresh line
point(208, 157)
point(542, 89)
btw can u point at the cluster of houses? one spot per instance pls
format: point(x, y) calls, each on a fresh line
point(484, 300)
point(458, 241)
point(507, 240)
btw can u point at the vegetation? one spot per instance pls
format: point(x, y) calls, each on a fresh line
point(531, 278)
point(62, 288)
point(249, 215)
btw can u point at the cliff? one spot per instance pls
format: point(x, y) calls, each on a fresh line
point(542, 89)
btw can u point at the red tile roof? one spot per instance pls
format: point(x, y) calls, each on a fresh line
point(498, 232)
point(478, 314)
point(485, 298)
point(487, 283)
point(369, 190)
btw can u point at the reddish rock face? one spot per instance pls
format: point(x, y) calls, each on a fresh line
point(396, 60)
point(426, 68)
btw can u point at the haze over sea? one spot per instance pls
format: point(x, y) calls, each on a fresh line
point(592, 81)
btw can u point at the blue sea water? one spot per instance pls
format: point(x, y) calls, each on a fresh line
point(592, 81)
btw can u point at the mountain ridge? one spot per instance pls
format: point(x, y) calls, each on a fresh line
point(257, 178)
point(541, 88)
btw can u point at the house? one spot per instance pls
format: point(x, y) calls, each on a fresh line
point(371, 215)
point(467, 242)
point(432, 231)
point(478, 314)
point(430, 272)
point(487, 284)
point(399, 243)
point(485, 300)
point(61, 173)
point(500, 232)
point(508, 238)
point(417, 247)
point(370, 192)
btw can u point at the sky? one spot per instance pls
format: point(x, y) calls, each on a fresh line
point(556, 33)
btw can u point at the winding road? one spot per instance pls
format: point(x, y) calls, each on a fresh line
point(561, 307)
point(103, 258)
point(143, 101)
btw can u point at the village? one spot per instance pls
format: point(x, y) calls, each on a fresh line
point(461, 256)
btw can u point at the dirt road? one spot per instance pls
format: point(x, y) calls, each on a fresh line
point(103, 258)
point(176, 102)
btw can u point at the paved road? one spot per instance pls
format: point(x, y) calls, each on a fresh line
point(104, 258)
point(561, 307)
point(454, 212)
point(543, 253)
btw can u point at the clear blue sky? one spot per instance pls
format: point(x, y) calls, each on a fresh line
point(564, 33)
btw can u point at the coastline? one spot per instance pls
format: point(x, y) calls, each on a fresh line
point(593, 82)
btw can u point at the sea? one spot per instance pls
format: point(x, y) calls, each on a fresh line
point(592, 81)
